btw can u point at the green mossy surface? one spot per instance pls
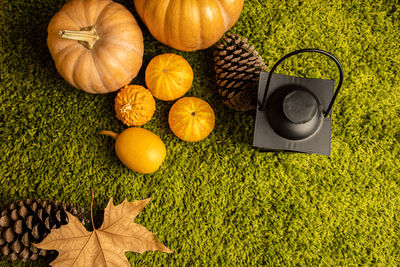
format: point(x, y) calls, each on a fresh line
point(220, 201)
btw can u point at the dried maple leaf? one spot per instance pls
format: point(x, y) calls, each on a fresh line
point(107, 245)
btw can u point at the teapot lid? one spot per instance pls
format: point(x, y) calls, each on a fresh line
point(299, 106)
point(294, 112)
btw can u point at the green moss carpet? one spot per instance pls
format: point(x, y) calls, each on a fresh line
point(220, 201)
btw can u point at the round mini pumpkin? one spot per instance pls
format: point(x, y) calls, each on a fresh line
point(188, 25)
point(191, 119)
point(97, 45)
point(134, 105)
point(168, 76)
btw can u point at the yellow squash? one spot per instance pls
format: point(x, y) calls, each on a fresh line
point(139, 149)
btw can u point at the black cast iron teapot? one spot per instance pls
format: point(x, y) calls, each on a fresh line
point(294, 113)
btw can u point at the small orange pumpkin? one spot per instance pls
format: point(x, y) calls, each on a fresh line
point(134, 105)
point(97, 45)
point(186, 24)
point(191, 119)
point(168, 76)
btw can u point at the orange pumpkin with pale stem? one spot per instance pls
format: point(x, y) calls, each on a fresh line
point(191, 119)
point(97, 45)
point(168, 76)
point(186, 24)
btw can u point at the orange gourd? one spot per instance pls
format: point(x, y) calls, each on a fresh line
point(97, 45)
point(139, 149)
point(188, 25)
point(134, 105)
point(168, 76)
point(191, 119)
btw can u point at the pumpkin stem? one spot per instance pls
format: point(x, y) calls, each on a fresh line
point(126, 107)
point(109, 133)
point(86, 36)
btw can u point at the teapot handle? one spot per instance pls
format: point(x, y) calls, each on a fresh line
point(264, 104)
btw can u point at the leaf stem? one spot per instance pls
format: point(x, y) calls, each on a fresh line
point(91, 209)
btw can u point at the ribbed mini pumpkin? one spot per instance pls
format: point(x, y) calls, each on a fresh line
point(191, 119)
point(168, 76)
point(134, 105)
point(97, 45)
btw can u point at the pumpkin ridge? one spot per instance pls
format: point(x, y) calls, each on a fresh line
point(202, 109)
point(175, 66)
point(74, 79)
point(168, 61)
point(187, 109)
point(119, 25)
point(180, 76)
point(194, 127)
point(66, 16)
point(65, 60)
point(182, 120)
point(72, 18)
point(87, 9)
point(158, 85)
point(165, 22)
point(101, 12)
point(206, 126)
point(126, 44)
point(63, 49)
point(97, 69)
point(172, 82)
point(86, 15)
point(118, 60)
point(181, 38)
point(224, 15)
point(200, 29)
point(154, 10)
point(101, 4)
point(204, 116)
point(119, 9)
point(187, 131)
point(81, 13)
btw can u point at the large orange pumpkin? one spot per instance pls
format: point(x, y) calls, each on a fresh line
point(191, 119)
point(186, 24)
point(168, 76)
point(97, 45)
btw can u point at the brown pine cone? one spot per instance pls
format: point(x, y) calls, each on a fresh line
point(237, 65)
point(27, 221)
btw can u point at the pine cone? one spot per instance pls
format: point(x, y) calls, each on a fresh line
point(237, 66)
point(29, 221)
